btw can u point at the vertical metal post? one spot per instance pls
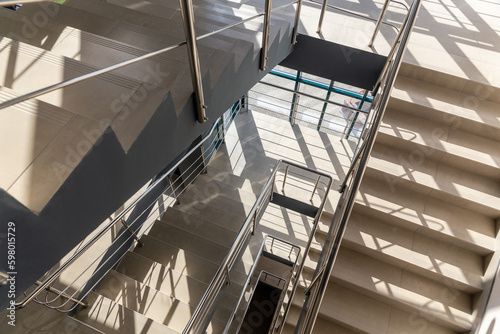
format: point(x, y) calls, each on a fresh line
point(254, 220)
point(296, 23)
point(223, 129)
point(173, 189)
point(325, 105)
point(295, 100)
point(379, 21)
point(315, 187)
point(139, 242)
point(322, 16)
point(284, 178)
point(205, 171)
point(265, 35)
point(363, 99)
point(272, 186)
point(228, 275)
point(194, 59)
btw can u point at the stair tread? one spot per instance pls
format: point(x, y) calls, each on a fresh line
point(190, 242)
point(167, 280)
point(363, 314)
point(447, 263)
point(225, 219)
point(428, 215)
point(199, 226)
point(446, 105)
point(177, 259)
point(431, 140)
point(151, 303)
point(403, 289)
point(107, 316)
point(435, 178)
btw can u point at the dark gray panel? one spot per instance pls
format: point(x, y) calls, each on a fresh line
point(335, 62)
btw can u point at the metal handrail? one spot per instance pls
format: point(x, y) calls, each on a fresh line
point(350, 12)
point(107, 69)
point(50, 279)
point(18, 2)
point(347, 200)
point(212, 147)
point(222, 275)
point(250, 275)
point(313, 97)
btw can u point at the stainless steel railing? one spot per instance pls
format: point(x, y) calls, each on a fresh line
point(350, 186)
point(331, 121)
point(188, 19)
point(378, 21)
point(200, 316)
point(293, 274)
point(172, 192)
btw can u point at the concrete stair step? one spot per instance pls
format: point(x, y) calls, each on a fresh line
point(68, 16)
point(166, 8)
point(214, 216)
point(170, 282)
point(363, 314)
point(200, 227)
point(426, 215)
point(403, 289)
point(110, 317)
point(321, 325)
point(54, 68)
point(430, 140)
point(124, 31)
point(193, 243)
point(177, 259)
point(202, 202)
point(455, 107)
point(38, 318)
point(149, 302)
point(185, 262)
point(445, 263)
point(436, 179)
point(212, 187)
point(132, 102)
point(228, 182)
point(160, 22)
point(83, 46)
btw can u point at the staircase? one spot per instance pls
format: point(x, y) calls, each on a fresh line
point(415, 256)
point(156, 287)
point(104, 128)
point(52, 42)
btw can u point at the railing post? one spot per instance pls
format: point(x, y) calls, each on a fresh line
point(228, 275)
point(379, 21)
point(315, 187)
point(325, 105)
point(295, 100)
point(296, 23)
point(173, 190)
point(284, 178)
point(194, 59)
point(265, 35)
point(355, 117)
point(139, 242)
point(205, 171)
point(223, 128)
point(322, 16)
point(254, 220)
